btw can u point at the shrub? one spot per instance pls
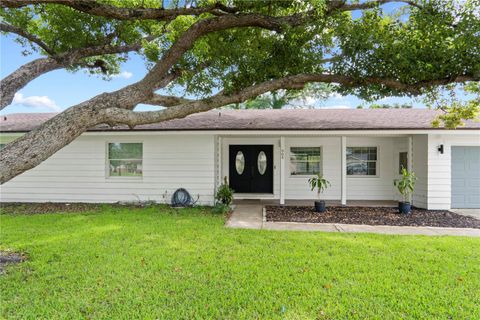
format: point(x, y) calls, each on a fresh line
point(224, 194)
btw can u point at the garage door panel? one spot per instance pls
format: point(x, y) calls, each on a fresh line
point(465, 177)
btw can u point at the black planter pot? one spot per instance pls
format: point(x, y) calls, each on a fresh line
point(404, 207)
point(320, 206)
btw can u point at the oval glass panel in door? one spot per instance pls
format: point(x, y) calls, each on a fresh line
point(262, 162)
point(240, 162)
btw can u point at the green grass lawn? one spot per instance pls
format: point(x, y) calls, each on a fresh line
point(160, 263)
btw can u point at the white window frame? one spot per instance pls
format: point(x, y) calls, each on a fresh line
point(377, 167)
point(290, 161)
point(107, 161)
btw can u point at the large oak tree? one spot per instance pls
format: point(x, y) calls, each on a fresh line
point(229, 51)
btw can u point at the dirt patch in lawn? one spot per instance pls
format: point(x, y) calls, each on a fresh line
point(371, 216)
point(8, 257)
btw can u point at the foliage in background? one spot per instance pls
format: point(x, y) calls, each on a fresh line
point(455, 110)
point(303, 98)
point(386, 106)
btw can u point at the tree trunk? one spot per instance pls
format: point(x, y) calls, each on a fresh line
point(23, 75)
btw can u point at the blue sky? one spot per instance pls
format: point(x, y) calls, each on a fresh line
point(58, 90)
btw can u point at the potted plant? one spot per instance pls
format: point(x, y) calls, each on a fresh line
point(320, 183)
point(224, 197)
point(405, 186)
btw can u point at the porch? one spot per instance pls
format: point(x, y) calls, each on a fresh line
point(361, 167)
point(250, 214)
point(350, 203)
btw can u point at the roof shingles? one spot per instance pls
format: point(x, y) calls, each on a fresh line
point(289, 119)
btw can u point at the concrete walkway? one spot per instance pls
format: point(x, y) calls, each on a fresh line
point(250, 216)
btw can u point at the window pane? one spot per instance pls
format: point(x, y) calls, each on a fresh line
point(125, 159)
point(240, 162)
point(357, 168)
point(125, 150)
point(403, 161)
point(305, 160)
point(372, 168)
point(361, 161)
point(125, 168)
point(262, 162)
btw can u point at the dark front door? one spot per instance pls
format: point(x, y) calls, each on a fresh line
point(251, 168)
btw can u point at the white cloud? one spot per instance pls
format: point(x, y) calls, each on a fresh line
point(123, 75)
point(35, 102)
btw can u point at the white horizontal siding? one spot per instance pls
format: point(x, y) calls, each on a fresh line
point(439, 166)
point(77, 173)
point(381, 186)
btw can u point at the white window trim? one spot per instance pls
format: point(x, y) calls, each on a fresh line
point(377, 166)
point(107, 161)
point(303, 176)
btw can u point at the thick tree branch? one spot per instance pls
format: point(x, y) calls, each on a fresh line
point(30, 37)
point(29, 71)
point(343, 6)
point(123, 13)
point(95, 8)
point(116, 107)
point(180, 108)
point(166, 101)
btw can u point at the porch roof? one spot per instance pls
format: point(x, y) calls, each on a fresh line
point(285, 119)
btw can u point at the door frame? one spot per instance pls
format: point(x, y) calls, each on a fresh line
point(451, 148)
point(250, 179)
point(226, 141)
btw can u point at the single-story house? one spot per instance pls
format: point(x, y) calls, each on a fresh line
point(266, 154)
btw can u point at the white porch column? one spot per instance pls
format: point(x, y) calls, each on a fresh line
point(344, 169)
point(282, 170)
point(410, 154)
point(410, 160)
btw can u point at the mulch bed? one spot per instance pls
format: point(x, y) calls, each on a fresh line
point(56, 207)
point(7, 257)
point(371, 216)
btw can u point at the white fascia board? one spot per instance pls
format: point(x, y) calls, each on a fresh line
point(289, 132)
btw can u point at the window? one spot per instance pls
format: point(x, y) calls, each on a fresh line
point(402, 161)
point(305, 160)
point(262, 163)
point(362, 161)
point(240, 162)
point(125, 159)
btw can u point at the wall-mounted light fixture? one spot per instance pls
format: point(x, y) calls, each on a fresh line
point(440, 148)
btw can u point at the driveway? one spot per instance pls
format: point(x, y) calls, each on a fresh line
point(468, 212)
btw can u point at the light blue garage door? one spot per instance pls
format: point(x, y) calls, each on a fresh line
point(465, 177)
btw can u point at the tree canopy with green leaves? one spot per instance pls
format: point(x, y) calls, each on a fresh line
point(227, 52)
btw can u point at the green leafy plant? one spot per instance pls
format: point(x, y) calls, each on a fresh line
point(318, 182)
point(224, 194)
point(406, 184)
